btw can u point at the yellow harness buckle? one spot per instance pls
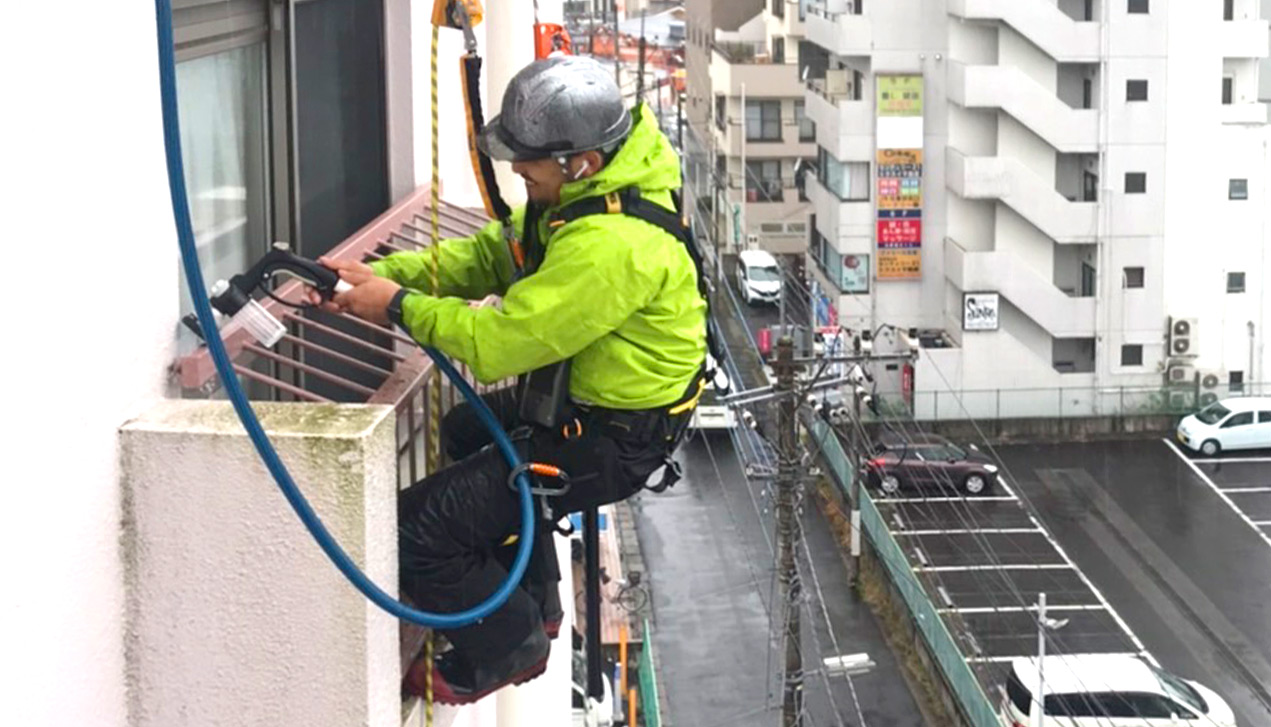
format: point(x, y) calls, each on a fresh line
point(613, 203)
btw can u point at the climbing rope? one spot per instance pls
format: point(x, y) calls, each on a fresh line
point(433, 454)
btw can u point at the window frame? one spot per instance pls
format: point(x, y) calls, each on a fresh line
point(763, 184)
point(1128, 277)
point(1131, 348)
point(768, 120)
point(801, 118)
point(1237, 282)
point(1230, 422)
point(1132, 85)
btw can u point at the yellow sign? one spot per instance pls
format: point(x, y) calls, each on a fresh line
point(899, 95)
point(899, 264)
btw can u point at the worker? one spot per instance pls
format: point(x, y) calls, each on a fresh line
point(613, 294)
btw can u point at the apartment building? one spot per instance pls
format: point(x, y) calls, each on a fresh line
point(751, 140)
point(1056, 195)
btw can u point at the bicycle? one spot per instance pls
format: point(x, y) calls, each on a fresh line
point(631, 595)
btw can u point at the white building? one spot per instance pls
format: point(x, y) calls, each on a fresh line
point(301, 122)
point(1099, 167)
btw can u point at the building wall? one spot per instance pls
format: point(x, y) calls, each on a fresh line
point(1178, 50)
point(98, 327)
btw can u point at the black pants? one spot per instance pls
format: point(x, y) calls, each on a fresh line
point(450, 524)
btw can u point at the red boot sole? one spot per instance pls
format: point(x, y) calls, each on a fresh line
point(529, 674)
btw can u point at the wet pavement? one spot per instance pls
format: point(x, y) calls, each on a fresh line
point(707, 546)
point(1176, 547)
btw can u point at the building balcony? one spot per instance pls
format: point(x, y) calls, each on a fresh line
point(730, 70)
point(1244, 113)
point(1245, 39)
point(1004, 272)
point(1041, 22)
point(844, 128)
point(1023, 190)
point(1007, 88)
point(840, 33)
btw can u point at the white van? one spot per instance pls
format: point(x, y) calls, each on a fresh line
point(758, 277)
point(1110, 690)
point(1237, 423)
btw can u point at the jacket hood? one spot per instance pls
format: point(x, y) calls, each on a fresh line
point(645, 160)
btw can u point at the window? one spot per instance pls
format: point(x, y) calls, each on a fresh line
point(1132, 354)
point(779, 8)
point(1264, 417)
point(801, 169)
point(763, 121)
point(1235, 282)
point(1137, 7)
point(1132, 277)
point(778, 49)
point(1236, 382)
point(848, 181)
point(1136, 90)
point(1238, 420)
point(1228, 9)
point(1238, 189)
point(721, 112)
point(807, 128)
point(1135, 182)
point(1228, 90)
point(763, 180)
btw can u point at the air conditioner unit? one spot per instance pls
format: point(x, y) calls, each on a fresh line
point(1213, 380)
point(1182, 337)
point(1180, 400)
point(1208, 398)
point(836, 82)
point(1180, 373)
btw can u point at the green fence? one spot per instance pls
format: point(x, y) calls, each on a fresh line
point(650, 708)
point(966, 688)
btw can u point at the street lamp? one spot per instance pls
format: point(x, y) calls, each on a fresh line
point(1044, 624)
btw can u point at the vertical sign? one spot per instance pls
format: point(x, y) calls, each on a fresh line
point(899, 160)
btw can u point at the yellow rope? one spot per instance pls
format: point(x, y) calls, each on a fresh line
point(433, 455)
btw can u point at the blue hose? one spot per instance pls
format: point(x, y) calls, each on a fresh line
point(216, 346)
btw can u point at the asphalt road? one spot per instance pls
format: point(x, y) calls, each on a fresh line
point(707, 545)
point(1175, 545)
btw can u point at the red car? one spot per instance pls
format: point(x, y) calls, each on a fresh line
point(929, 461)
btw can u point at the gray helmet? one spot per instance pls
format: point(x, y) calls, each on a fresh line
point(555, 108)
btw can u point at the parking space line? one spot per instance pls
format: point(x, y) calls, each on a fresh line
point(1018, 609)
point(914, 500)
point(1262, 523)
point(1134, 639)
point(1245, 490)
point(971, 531)
point(1217, 490)
point(1007, 566)
point(1222, 460)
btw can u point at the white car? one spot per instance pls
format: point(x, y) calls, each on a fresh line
point(758, 277)
point(1110, 690)
point(1237, 423)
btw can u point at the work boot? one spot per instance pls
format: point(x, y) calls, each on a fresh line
point(455, 681)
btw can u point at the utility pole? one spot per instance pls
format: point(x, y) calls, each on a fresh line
point(640, 64)
point(787, 528)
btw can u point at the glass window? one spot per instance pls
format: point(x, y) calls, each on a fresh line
point(1228, 90)
point(1264, 417)
point(763, 180)
point(807, 128)
point(1133, 277)
point(224, 140)
point(763, 121)
point(1237, 189)
point(1136, 90)
point(1238, 420)
point(1213, 413)
point(721, 111)
point(1137, 6)
point(1135, 182)
point(1236, 382)
point(1132, 355)
point(1235, 282)
point(848, 181)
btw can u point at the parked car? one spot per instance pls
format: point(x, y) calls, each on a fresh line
point(1110, 690)
point(758, 277)
point(1236, 423)
point(928, 461)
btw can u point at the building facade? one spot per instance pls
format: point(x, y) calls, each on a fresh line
point(1056, 195)
point(751, 139)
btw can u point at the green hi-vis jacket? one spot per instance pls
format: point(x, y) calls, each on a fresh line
point(615, 293)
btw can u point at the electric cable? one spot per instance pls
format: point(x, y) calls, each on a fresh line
point(237, 397)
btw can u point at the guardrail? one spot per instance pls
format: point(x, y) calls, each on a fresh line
point(964, 686)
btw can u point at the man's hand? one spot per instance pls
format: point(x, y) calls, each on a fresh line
point(369, 297)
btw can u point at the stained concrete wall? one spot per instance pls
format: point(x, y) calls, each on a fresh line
point(234, 615)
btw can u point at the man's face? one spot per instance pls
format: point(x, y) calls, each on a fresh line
point(543, 180)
